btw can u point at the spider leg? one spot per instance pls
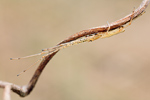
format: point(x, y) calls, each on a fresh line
point(29, 56)
point(131, 18)
point(106, 34)
point(36, 62)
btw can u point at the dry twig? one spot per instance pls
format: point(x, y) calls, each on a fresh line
point(6, 95)
point(82, 36)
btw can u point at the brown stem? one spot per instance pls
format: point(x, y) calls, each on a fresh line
point(139, 11)
point(26, 89)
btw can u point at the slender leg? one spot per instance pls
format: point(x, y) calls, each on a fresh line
point(106, 34)
point(131, 18)
point(29, 56)
point(36, 62)
point(108, 26)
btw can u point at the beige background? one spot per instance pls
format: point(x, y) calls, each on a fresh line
point(115, 68)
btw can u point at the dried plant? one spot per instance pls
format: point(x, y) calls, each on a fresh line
point(88, 35)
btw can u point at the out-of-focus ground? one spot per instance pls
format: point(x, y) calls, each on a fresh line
point(115, 68)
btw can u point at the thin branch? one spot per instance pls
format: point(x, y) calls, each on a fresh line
point(6, 95)
point(113, 25)
point(26, 89)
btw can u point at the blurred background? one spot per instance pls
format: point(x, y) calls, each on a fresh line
point(115, 68)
